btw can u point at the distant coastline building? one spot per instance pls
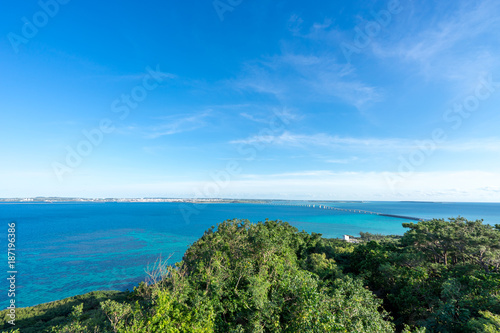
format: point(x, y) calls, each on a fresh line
point(348, 239)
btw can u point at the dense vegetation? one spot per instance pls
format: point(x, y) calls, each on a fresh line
point(440, 276)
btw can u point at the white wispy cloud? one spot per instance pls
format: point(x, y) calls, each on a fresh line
point(324, 140)
point(286, 115)
point(479, 144)
point(367, 144)
point(293, 75)
point(310, 173)
point(178, 124)
point(327, 77)
point(453, 45)
point(309, 68)
point(253, 118)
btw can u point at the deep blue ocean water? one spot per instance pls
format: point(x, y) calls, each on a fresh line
point(66, 249)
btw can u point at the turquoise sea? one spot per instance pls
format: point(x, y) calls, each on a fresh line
point(65, 249)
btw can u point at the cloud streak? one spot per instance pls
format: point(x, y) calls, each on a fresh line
point(452, 45)
point(292, 76)
point(372, 144)
point(175, 125)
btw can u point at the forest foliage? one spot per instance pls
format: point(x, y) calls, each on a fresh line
point(440, 276)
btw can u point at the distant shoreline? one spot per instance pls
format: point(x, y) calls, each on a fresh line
point(208, 200)
point(312, 203)
point(184, 200)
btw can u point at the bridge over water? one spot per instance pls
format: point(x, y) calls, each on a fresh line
point(357, 211)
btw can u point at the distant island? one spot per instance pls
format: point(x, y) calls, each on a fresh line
point(188, 200)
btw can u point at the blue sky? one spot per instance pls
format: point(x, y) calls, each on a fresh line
point(364, 100)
